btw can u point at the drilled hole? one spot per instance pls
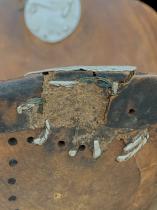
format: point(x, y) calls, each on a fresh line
point(82, 147)
point(61, 143)
point(45, 73)
point(131, 111)
point(12, 198)
point(12, 141)
point(81, 69)
point(94, 74)
point(30, 140)
point(12, 181)
point(13, 162)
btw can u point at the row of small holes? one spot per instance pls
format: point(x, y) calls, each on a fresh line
point(12, 163)
point(13, 142)
point(61, 144)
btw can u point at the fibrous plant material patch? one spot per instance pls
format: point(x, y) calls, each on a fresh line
point(82, 105)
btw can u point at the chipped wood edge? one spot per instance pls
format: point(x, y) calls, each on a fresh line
point(87, 68)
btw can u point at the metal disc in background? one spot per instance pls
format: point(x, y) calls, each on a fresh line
point(52, 20)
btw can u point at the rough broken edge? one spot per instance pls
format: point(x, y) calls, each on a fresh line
point(87, 68)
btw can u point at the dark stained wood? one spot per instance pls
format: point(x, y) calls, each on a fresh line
point(111, 32)
point(14, 93)
point(135, 106)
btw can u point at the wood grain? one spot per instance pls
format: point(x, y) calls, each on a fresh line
point(115, 32)
point(111, 32)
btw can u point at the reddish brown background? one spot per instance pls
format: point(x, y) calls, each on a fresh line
point(111, 32)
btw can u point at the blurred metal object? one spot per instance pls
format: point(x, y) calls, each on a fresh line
point(52, 20)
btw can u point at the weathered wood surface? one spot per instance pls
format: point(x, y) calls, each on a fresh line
point(115, 32)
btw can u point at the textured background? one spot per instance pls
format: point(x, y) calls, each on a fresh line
point(111, 32)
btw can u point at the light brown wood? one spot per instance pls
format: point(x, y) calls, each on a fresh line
point(111, 32)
